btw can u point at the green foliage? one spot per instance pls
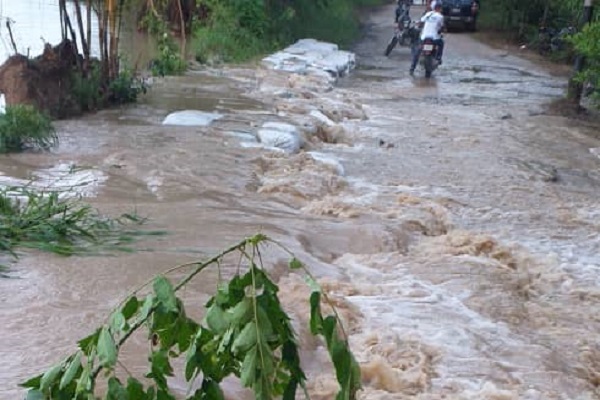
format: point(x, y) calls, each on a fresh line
point(169, 60)
point(234, 31)
point(333, 21)
point(245, 333)
point(88, 89)
point(23, 127)
point(126, 87)
point(237, 30)
point(47, 222)
point(536, 23)
point(518, 16)
point(587, 43)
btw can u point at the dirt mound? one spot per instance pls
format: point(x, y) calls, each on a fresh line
point(44, 82)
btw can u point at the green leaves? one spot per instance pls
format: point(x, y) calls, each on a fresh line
point(165, 293)
point(107, 349)
point(23, 126)
point(35, 395)
point(71, 372)
point(33, 219)
point(216, 319)
point(130, 307)
point(346, 368)
point(587, 42)
point(49, 378)
point(245, 333)
point(295, 264)
point(246, 339)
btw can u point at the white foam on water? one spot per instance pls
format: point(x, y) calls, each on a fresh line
point(328, 159)
point(66, 178)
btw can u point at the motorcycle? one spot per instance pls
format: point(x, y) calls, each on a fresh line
point(401, 30)
point(553, 40)
point(429, 59)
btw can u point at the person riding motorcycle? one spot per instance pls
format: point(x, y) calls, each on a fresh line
point(432, 24)
point(402, 12)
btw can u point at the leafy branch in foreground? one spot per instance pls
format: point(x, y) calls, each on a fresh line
point(45, 221)
point(245, 333)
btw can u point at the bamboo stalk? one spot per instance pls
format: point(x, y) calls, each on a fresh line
point(113, 53)
point(89, 25)
point(104, 39)
point(63, 28)
point(73, 39)
point(182, 29)
point(84, 44)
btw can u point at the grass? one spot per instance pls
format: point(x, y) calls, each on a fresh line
point(47, 222)
point(224, 45)
point(232, 34)
point(23, 127)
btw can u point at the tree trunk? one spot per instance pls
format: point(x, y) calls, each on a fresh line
point(62, 12)
point(84, 45)
point(89, 25)
point(182, 30)
point(69, 26)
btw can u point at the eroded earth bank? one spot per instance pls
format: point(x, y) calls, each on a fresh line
point(455, 222)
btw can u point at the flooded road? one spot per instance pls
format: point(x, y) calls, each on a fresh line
point(454, 220)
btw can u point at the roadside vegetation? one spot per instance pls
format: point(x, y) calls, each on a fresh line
point(587, 43)
point(245, 334)
point(45, 221)
point(24, 127)
point(238, 30)
point(554, 28)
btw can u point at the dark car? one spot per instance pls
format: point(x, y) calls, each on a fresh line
point(461, 12)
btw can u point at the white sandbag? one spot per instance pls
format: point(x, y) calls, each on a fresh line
point(191, 118)
point(285, 140)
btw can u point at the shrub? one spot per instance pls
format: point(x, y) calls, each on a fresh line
point(232, 32)
point(23, 127)
point(587, 43)
point(87, 89)
point(237, 30)
point(125, 88)
point(169, 60)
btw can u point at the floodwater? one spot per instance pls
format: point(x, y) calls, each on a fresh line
point(454, 221)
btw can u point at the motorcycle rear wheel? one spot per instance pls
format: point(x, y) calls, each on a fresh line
point(428, 64)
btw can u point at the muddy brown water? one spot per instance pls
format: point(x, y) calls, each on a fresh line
point(461, 242)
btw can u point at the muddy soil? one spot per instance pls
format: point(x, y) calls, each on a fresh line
point(452, 219)
point(45, 82)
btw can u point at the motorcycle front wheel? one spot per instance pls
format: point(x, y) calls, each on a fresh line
point(391, 45)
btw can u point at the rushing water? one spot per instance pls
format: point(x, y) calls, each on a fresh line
point(454, 223)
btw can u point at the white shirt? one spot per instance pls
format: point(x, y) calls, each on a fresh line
point(434, 22)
